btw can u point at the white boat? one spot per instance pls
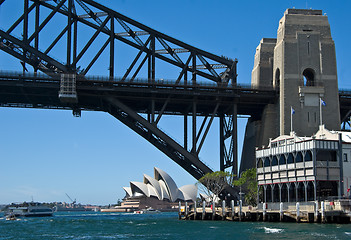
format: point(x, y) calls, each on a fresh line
point(147, 211)
point(10, 217)
point(31, 209)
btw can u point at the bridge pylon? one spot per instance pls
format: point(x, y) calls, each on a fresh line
point(301, 63)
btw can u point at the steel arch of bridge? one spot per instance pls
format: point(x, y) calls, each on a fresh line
point(194, 65)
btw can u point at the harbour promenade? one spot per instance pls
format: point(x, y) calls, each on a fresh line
point(331, 211)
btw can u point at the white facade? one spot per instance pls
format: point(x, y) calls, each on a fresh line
point(296, 168)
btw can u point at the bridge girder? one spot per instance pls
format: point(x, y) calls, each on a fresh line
point(111, 27)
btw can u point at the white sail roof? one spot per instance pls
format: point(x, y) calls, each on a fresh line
point(164, 191)
point(152, 190)
point(128, 191)
point(155, 184)
point(139, 189)
point(169, 182)
point(162, 186)
point(189, 192)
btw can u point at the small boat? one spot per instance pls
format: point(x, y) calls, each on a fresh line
point(149, 210)
point(11, 217)
point(32, 209)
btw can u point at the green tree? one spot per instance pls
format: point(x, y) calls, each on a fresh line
point(214, 183)
point(248, 184)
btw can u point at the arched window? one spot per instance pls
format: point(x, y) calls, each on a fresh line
point(308, 77)
point(267, 162)
point(290, 158)
point(274, 161)
point(282, 159)
point(308, 156)
point(299, 157)
point(259, 163)
point(277, 78)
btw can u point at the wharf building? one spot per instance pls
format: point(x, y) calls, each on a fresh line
point(298, 169)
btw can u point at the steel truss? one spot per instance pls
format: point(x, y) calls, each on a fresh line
point(152, 47)
point(345, 109)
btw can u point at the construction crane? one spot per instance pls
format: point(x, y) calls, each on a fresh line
point(73, 202)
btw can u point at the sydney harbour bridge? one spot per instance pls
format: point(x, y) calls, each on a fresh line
point(137, 94)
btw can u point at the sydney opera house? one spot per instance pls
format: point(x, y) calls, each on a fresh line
point(159, 192)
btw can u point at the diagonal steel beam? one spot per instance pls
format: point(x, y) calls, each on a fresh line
point(139, 68)
point(33, 51)
point(52, 45)
point(47, 19)
point(96, 57)
point(207, 129)
point(91, 40)
point(136, 59)
point(169, 50)
point(170, 147)
point(20, 19)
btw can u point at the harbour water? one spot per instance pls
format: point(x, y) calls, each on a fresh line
point(91, 225)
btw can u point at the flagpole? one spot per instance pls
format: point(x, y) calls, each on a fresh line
point(320, 111)
point(291, 116)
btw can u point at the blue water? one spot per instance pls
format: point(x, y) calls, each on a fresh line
point(161, 226)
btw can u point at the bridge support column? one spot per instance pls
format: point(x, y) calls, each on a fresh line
point(229, 130)
point(194, 127)
point(186, 131)
point(235, 139)
point(221, 142)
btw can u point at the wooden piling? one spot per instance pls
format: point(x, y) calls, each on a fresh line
point(233, 210)
point(281, 212)
point(323, 212)
point(297, 212)
point(240, 209)
point(179, 210)
point(264, 211)
point(223, 210)
point(213, 210)
point(195, 210)
point(316, 211)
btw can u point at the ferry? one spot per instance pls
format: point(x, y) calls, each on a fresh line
point(147, 211)
point(32, 209)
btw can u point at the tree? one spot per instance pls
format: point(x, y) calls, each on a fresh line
point(248, 184)
point(214, 183)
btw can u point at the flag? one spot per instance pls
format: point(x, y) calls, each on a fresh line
point(292, 111)
point(323, 103)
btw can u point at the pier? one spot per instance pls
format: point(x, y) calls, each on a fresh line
point(337, 211)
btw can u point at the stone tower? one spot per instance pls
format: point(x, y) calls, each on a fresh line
point(301, 63)
point(304, 69)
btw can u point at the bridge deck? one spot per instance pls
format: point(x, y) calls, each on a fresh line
point(41, 91)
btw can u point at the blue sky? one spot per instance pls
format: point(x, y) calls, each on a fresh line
point(47, 153)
